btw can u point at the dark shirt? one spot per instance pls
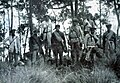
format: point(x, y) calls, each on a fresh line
point(112, 38)
point(33, 41)
point(54, 39)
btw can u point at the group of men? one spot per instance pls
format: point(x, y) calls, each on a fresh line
point(55, 41)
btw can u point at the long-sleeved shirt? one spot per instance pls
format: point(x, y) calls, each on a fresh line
point(14, 43)
point(91, 40)
point(55, 41)
point(46, 27)
point(106, 37)
point(76, 34)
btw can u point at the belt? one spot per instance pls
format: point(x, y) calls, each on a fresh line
point(47, 32)
point(75, 38)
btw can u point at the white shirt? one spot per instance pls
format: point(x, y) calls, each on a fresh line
point(47, 26)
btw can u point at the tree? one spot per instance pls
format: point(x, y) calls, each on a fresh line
point(116, 6)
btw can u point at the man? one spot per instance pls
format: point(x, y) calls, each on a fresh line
point(34, 46)
point(47, 31)
point(91, 45)
point(75, 40)
point(14, 47)
point(58, 43)
point(109, 41)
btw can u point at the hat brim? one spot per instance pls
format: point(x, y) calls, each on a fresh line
point(57, 26)
point(108, 25)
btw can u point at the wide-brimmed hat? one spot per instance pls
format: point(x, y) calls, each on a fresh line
point(75, 20)
point(108, 25)
point(46, 16)
point(57, 26)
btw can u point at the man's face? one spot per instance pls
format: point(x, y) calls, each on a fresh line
point(92, 31)
point(75, 23)
point(46, 19)
point(57, 28)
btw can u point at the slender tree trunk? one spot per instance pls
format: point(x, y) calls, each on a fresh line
point(76, 8)
point(8, 19)
point(30, 18)
point(11, 26)
point(100, 26)
point(72, 11)
point(117, 14)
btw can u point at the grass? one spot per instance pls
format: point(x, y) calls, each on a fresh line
point(48, 74)
point(43, 73)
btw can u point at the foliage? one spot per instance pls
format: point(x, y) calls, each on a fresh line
point(39, 8)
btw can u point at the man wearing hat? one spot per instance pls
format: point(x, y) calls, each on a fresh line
point(34, 44)
point(14, 46)
point(109, 41)
point(91, 45)
point(75, 41)
point(58, 43)
point(47, 31)
point(91, 39)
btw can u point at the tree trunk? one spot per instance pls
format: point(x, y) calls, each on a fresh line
point(30, 18)
point(8, 18)
point(100, 25)
point(11, 26)
point(76, 7)
point(72, 11)
point(117, 14)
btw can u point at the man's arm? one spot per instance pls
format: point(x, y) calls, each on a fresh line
point(18, 43)
point(86, 40)
point(115, 40)
point(64, 41)
point(69, 38)
point(103, 42)
point(52, 38)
